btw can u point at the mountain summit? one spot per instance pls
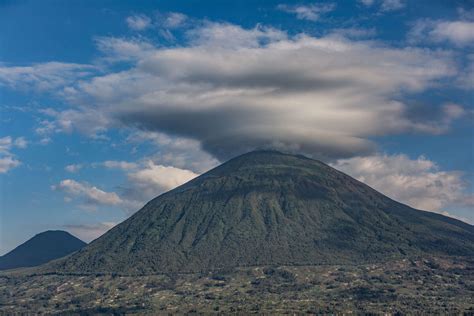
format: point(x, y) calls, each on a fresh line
point(269, 208)
point(42, 248)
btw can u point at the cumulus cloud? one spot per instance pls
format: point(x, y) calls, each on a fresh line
point(138, 22)
point(152, 180)
point(5, 144)
point(7, 163)
point(145, 180)
point(311, 12)
point(21, 142)
point(235, 89)
point(7, 158)
point(89, 232)
point(91, 194)
point(90, 122)
point(416, 182)
point(457, 32)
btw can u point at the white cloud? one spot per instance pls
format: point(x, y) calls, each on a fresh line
point(7, 163)
point(229, 36)
point(183, 153)
point(138, 22)
point(89, 232)
point(385, 5)
point(392, 5)
point(73, 168)
point(7, 158)
point(122, 165)
point(355, 33)
point(45, 140)
point(21, 142)
point(117, 49)
point(153, 180)
point(173, 20)
point(8, 142)
point(460, 33)
point(145, 180)
point(91, 122)
point(44, 76)
point(311, 12)
point(5, 144)
point(91, 194)
point(418, 183)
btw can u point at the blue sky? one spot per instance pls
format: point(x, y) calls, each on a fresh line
point(106, 104)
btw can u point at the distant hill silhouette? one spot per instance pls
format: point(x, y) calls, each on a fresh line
point(42, 248)
point(269, 208)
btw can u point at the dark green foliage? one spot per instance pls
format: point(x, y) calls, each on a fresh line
point(40, 249)
point(267, 208)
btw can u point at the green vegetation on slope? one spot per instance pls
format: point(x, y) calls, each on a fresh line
point(268, 208)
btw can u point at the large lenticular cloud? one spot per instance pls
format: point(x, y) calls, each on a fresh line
point(235, 89)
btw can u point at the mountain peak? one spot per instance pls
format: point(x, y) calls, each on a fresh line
point(268, 208)
point(42, 248)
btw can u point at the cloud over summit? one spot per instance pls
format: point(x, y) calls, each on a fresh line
point(235, 89)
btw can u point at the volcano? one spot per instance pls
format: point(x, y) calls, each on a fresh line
point(268, 208)
point(42, 248)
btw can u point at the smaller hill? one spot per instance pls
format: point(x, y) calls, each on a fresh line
point(42, 248)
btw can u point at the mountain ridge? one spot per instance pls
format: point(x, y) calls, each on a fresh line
point(269, 208)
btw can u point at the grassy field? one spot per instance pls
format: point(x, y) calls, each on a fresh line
point(429, 285)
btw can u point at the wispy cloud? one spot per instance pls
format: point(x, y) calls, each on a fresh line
point(122, 165)
point(385, 5)
point(392, 5)
point(73, 168)
point(311, 12)
point(43, 76)
point(172, 20)
point(138, 22)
